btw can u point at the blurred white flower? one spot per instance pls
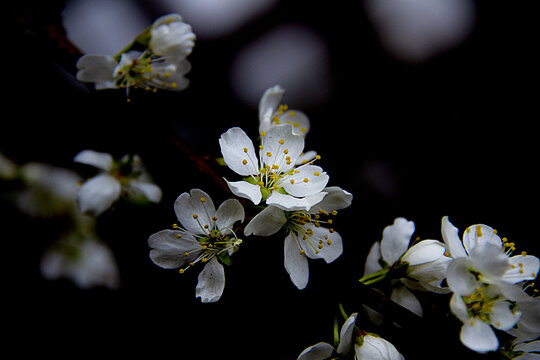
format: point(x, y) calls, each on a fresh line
point(82, 258)
point(309, 234)
point(416, 30)
point(422, 267)
point(274, 179)
point(207, 236)
point(49, 190)
point(126, 177)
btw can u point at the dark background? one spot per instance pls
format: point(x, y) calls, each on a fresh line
point(455, 135)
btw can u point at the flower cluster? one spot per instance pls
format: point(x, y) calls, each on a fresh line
point(156, 59)
point(487, 283)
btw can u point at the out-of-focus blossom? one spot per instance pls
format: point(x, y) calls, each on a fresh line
point(391, 262)
point(217, 18)
point(292, 55)
point(274, 179)
point(309, 234)
point(416, 30)
point(126, 177)
point(49, 190)
point(526, 351)
point(156, 59)
point(528, 327)
point(206, 236)
point(82, 258)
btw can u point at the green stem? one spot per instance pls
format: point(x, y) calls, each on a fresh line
point(375, 277)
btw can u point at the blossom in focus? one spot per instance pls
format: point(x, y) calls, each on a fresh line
point(206, 235)
point(126, 177)
point(272, 176)
point(366, 346)
point(309, 234)
point(156, 59)
point(419, 267)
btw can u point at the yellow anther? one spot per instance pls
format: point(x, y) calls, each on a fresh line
point(329, 242)
point(478, 230)
point(281, 141)
point(261, 183)
point(195, 216)
point(214, 218)
point(269, 154)
point(331, 230)
point(504, 239)
point(245, 150)
point(291, 112)
point(302, 252)
point(524, 253)
point(181, 271)
point(244, 162)
point(167, 75)
point(318, 157)
point(204, 247)
point(303, 129)
point(334, 212)
point(203, 200)
point(320, 246)
point(286, 151)
point(306, 180)
point(191, 264)
point(495, 231)
point(206, 226)
point(186, 254)
point(204, 260)
point(179, 236)
point(263, 133)
point(292, 181)
point(175, 226)
point(275, 167)
point(330, 221)
point(174, 85)
point(316, 173)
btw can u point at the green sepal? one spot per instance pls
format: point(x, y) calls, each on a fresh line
point(140, 43)
point(225, 258)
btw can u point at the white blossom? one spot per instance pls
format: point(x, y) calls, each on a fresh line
point(309, 234)
point(419, 267)
point(367, 346)
point(155, 60)
point(272, 176)
point(206, 235)
point(126, 177)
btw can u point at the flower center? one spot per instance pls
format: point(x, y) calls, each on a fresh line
point(297, 221)
point(479, 304)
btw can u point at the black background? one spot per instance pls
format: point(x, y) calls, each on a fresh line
point(454, 136)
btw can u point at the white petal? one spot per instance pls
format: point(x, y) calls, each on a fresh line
point(267, 222)
point(478, 336)
point(194, 210)
point(306, 157)
point(459, 278)
point(424, 251)
point(372, 262)
point(306, 180)
point(168, 251)
point(98, 69)
point(246, 190)
point(211, 282)
point(346, 335)
point(152, 192)
point(376, 348)
point(523, 267)
point(268, 105)
point(238, 152)
point(291, 203)
point(229, 212)
point(490, 260)
point(280, 144)
point(166, 19)
point(320, 351)
point(322, 244)
point(336, 199)
point(396, 239)
point(459, 308)
point(174, 39)
point(502, 317)
point(298, 120)
point(98, 194)
point(97, 159)
point(479, 235)
point(405, 298)
point(295, 263)
point(451, 238)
